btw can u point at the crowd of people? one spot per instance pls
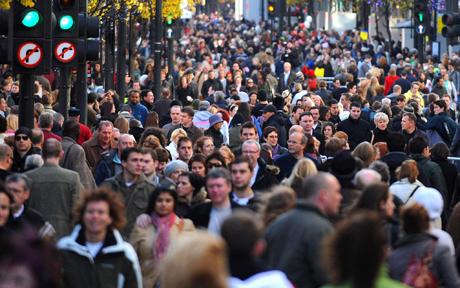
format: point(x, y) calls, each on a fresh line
point(307, 159)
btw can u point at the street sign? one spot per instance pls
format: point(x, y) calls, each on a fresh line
point(29, 54)
point(65, 52)
point(421, 29)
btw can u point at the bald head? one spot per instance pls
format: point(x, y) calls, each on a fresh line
point(323, 191)
point(51, 149)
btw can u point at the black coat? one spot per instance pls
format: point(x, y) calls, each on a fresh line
point(265, 179)
point(357, 130)
point(394, 160)
point(201, 214)
point(277, 121)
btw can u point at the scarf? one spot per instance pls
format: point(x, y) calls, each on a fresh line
point(163, 225)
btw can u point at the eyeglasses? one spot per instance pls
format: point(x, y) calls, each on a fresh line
point(23, 137)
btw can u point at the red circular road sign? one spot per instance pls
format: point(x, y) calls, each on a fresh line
point(29, 54)
point(65, 52)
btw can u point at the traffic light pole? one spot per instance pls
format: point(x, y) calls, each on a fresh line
point(121, 55)
point(26, 101)
point(64, 91)
point(157, 48)
point(82, 94)
point(108, 54)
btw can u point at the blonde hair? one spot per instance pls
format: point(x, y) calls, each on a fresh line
point(303, 168)
point(229, 154)
point(366, 152)
point(177, 134)
point(12, 122)
point(203, 266)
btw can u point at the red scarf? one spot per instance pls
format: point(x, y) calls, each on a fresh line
point(163, 225)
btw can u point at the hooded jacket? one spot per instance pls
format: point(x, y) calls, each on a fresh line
point(115, 265)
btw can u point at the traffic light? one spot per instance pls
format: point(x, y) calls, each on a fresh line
point(452, 27)
point(30, 29)
point(66, 13)
point(89, 34)
point(271, 9)
point(421, 17)
point(169, 20)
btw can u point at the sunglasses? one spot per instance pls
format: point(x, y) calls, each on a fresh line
point(19, 138)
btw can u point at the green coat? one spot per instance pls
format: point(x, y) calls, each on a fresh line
point(136, 198)
point(53, 193)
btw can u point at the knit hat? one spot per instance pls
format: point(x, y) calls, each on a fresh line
point(175, 165)
point(23, 130)
point(431, 200)
point(214, 119)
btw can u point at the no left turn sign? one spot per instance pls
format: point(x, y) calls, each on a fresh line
point(30, 54)
point(65, 52)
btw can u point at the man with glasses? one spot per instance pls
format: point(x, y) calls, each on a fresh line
point(22, 148)
point(262, 177)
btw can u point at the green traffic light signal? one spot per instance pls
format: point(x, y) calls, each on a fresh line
point(30, 18)
point(420, 16)
point(169, 20)
point(66, 22)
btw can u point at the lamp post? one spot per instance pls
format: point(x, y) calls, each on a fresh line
point(157, 47)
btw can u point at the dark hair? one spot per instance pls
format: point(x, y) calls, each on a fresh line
point(113, 200)
point(441, 104)
point(71, 129)
point(3, 124)
point(395, 142)
point(355, 104)
point(106, 109)
point(417, 145)
point(328, 124)
point(307, 113)
point(182, 140)
point(372, 198)
point(439, 151)
point(241, 231)
point(297, 107)
point(242, 159)
point(197, 157)
point(355, 252)
point(268, 130)
point(411, 116)
point(156, 193)
point(163, 154)
point(196, 181)
point(128, 151)
point(415, 219)
point(215, 155)
point(145, 92)
point(189, 111)
point(244, 110)
point(150, 151)
point(248, 125)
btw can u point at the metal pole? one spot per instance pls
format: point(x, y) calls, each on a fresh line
point(64, 91)
point(82, 93)
point(262, 10)
point(280, 16)
point(108, 55)
point(26, 100)
point(121, 54)
point(158, 47)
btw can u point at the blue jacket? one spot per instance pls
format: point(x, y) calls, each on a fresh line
point(437, 123)
point(139, 112)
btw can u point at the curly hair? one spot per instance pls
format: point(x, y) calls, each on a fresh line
point(114, 201)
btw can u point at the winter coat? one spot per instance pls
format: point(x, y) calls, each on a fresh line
point(439, 123)
point(277, 121)
point(442, 264)
point(183, 206)
point(357, 130)
point(93, 152)
point(107, 167)
point(266, 177)
point(394, 160)
point(216, 135)
point(193, 132)
point(116, 264)
point(430, 174)
point(294, 244)
point(53, 193)
point(139, 112)
point(136, 197)
point(74, 159)
point(143, 241)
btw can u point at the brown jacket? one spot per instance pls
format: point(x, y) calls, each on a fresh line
point(93, 152)
point(143, 241)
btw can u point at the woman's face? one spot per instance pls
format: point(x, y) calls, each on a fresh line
point(175, 175)
point(328, 131)
point(4, 209)
point(198, 168)
point(272, 138)
point(208, 147)
point(381, 124)
point(97, 217)
point(184, 187)
point(164, 204)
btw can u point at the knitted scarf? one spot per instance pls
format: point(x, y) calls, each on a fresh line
point(163, 225)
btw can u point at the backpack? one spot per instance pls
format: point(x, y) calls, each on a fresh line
point(418, 273)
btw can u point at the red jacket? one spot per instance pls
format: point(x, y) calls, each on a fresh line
point(389, 81)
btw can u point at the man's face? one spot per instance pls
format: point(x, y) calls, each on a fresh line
point(241, 175)
point(267, 115)
point(334, 197)
point(135, 98)
point(137, 85)
point(20, 194)
point(248, 134)
point(307, 123)
point(294, 143)
point(252, 152)
point(22, 143)
point(105, 134)
point(401, 103)
point(133, 164)
point(185, 118)
point(406, 123)
point(414, 89)
point(355, 113)
point(3, 105)
point(437, 109)
point(15, 88)
point(175, 114)
point(334, 109)
point(218, 189)
point(185, 151)
point(149, 97)
point(125, 141)
point(211, 74)
point(287, 67)
point(150, 165)
point(297, 114)
point(315, 113)
point(353, 89)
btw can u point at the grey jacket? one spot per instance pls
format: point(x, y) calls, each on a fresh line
point(294, 245)
point(53, 193)
point(75, 159)
point(443, 263)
